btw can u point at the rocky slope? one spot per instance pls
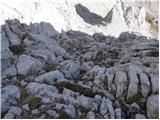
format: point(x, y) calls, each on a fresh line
point(47, 74)
point(111, 17)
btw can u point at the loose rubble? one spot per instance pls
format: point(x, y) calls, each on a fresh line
point(46, 74)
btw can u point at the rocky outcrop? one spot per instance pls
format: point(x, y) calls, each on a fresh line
point(76, 75)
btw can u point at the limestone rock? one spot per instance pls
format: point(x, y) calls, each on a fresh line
point(153, 107)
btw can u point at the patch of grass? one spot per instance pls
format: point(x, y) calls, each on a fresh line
point(50, 67)
point(152, 53)
point(24, 92)
point(34, 102)
point(75, 87)
point(63, 115)
point(135, 98)
point(17, 49)
point(147, 64)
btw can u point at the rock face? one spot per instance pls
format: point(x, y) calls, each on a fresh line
point(47, 74)
point(98, 16)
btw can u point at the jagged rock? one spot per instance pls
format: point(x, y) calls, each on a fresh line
point(118, 113)
point(14, 111)
point(72, 67)
point(154, 83)
point(46, 92)
point(13, 38)
point(85, 102)
point(70, 93)
point(50, 77)
point(9, 116)
point(28, 65)
point(26, 107)
point(110, 108)
point(133, 81)
point(103, 107)
point(106, 107)
point(88, 55)
point(90, 115)
point(120, 82)
point(145, 84)
point(35, 111)
point(153, 107)
point(10, 95)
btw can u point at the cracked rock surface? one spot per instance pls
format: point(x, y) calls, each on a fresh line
point(46, 74)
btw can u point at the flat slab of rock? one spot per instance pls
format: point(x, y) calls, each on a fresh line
point(28, 65)
point(50, 77)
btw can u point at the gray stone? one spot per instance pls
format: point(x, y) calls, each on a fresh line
point(103, 107)
point(91, 115)
point(155, 83)
point(118, 113)
point(140, 116)
point(133, 83)
point(26, 107)
point(120, 82)
point(48, 93)
point(16, 111)
point(152, 107)
point(110, 108)
point(88, 55)
point(35, 111)
point(28, 65)
point(50, 77)
point(145, 84)
point(9, 116)
point(10, 95)
point(13, 38)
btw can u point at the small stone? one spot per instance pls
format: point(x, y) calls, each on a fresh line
point(50, 77)
point(26, 107)
point(9, 116)
point(140, 116)
point(90, 115)
point(35, 111)
point(118, 113)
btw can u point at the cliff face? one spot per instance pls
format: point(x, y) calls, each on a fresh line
point(111, 17)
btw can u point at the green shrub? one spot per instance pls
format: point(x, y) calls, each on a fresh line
point(17, 49)
point(152, 53)
point(34, 102)
point(50, 67)
point(147, 64)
